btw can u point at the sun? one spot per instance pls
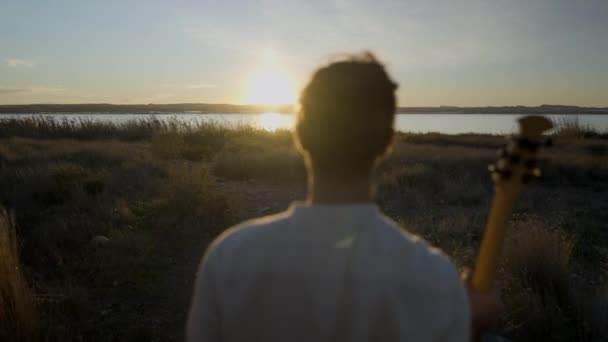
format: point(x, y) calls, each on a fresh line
point(270, 87)
point(270, 83)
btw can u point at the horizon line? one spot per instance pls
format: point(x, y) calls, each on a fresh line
point(283, 105)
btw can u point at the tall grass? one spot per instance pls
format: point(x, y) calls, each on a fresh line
point(152, 189)
point(573, 127)
point(151, 208)
point(87, 129)
point(17, 319)
point(255, 158)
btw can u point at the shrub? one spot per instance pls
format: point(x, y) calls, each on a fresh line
point(572, 127)
point(153, 210)
point(539, 292)
point(247, 159)
point(149, 187)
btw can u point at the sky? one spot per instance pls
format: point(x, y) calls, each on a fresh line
point(460, 53)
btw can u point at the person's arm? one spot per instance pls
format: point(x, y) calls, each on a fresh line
point(485, 307)
point(474, 312)
point(204, 317)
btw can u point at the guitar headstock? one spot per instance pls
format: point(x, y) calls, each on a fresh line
point(518, 164)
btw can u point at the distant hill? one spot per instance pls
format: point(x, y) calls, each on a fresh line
point(230, 108)
point(543, 109)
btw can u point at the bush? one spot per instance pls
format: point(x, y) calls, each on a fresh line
point(152, 211)
point(247, 159)
point(542, 300)
point(572, 127)
point(149, 188)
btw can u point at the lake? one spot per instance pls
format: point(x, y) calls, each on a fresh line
point(442, 123)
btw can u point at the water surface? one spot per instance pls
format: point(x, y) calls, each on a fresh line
point(419, 123)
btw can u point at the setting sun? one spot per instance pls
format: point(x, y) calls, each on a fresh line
point(270, 83)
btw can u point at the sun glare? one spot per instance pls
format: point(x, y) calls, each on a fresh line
point(269, 83)
point(274, 121)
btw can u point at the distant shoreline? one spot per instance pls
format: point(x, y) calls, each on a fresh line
point(205, 108)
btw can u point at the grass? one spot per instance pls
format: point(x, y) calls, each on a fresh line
point(260, 158)
point(65, 193)
point(572, 127)
point(159, 191)
point(17, 318)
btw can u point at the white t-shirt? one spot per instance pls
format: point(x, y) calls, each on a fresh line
point(326, 273)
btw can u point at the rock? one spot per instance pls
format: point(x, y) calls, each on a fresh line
point(100, 241)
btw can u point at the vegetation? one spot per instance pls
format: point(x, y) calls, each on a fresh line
point(574, 128)
point(228, 108)
point(112, 219)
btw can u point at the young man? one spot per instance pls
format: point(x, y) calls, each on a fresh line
point(334, 268)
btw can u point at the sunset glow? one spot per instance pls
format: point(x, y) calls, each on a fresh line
point(446, 53)
point(270, 84)
point(274, 121)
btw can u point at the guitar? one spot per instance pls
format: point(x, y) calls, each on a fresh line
point(510, 175)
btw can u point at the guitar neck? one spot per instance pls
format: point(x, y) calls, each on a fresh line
point(510, 174)
point(491, 246)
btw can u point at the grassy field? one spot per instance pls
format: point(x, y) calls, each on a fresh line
point(111, 220)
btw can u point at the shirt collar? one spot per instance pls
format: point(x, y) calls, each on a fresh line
point(362, 208)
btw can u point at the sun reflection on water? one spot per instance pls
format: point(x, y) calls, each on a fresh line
point(273, 121)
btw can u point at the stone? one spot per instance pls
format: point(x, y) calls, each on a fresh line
point(100, 241)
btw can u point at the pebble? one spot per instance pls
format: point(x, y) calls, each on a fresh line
point(100, 241)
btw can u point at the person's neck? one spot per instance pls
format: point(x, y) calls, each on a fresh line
point(325, 189)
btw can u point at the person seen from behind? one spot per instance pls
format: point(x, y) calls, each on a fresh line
point(333, 267)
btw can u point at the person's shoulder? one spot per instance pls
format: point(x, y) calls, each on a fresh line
point(431, 264)
point(245, 233)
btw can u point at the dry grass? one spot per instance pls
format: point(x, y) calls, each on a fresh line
point(557, 257)
point(543, 293)
point(152, 209)
point(537, 282)
point(572, 127)
point(246, 158)
point(151, 189)
point(17, 318)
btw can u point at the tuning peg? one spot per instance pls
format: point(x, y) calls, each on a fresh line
point(505, 174)
point(514, 158)
point(528, 144)
point(502, 164)
point(530, 163)
point(500, 171)
point(527, 177)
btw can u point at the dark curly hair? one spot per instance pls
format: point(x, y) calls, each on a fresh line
point(346, 115)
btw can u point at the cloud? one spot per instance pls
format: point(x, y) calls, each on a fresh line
point(201, 86)
point(13, 90)
point(19, 63)
point(415, 35)
point(45, 89)
point(32, 89)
